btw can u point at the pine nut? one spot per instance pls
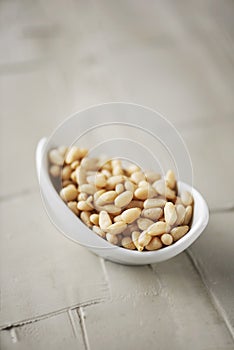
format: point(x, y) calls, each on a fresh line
point(186, 198)
point(135, 237)
point(87, 188)
point(89, 164)
point(73, 206)
point(188, 215)
point(106, 172)
point(129, 186)
point(130, 215)
point(66, 172)
point(180, 211)
point(113, 239)
point(166, 239)
point(113, 181)
point(80, 176)
point(170, 213)
point(75, 164)
point(111, 209)
point(85, 215)
point(82, 196)
point(99, 231)
point(135, 204)
point(152, 213)
point(117, 218)
point(94, 218)
point(151, 176)
point(143, 224)
point(55, 157)
point(119, 188)
point(128, 243)
point(98, 180)
point(143, 240)
point(179, 231)
point(117, 170)
point(65, 183)
point(106, 198)
point(72, 155)
point(154, 203)
point(123, 199)
point(116, 228)
point(132, 168)
point(164, 190)
point(69, 193)
point(170, 179)
point(154, 244)
point(104, 220)
point(83, 152)
point(55, 170)
point(137, 176)
point(62, 150)
point(141, 193)
point(98, 194)
point(133, 227)
point(83, 205)
point(158, 228)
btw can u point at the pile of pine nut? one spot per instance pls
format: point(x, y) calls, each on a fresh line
point(124, 205)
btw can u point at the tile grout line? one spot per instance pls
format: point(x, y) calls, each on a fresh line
point(50, 314)
point(221, 312)
point(74, 319)
point(81, 315)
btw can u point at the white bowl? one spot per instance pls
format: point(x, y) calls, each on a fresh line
point(73, 228)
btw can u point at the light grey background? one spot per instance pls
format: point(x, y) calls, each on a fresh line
point(61, 56)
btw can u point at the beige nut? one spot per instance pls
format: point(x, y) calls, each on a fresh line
point(129, 186)
point(170, 213)
point(135, 236)
point(170, 179)
point(66, 172)
point(113, 181)
point(80, 176)
point(152, 213)
point(179, 231)
point(180, 211)
point(84, 205)
point(69, 193)
point(119, 188)
point(99, 180)
point(89, 164)
point(116, 228)
point(166, 239)
point(85, 215)
point(55, 170)
point(72, 154)
point(151, 176)
point(123, 199)
point(94, 218)
point(55, 157)
point(106, 198)
point(73, 206)
point(186, 198)
point(99, 231)
point(130, 215)
point(158, 228)
point(188, 215)
point(143, 240)
point(87, 188)
point(128, 243)
point(154, 203)
point(154, 244)
point(143, 223)
point(104, 219)
point(137, 176)
point(135, 204)
point(113, 239)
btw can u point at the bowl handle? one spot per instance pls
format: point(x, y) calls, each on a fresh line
point(39, 152)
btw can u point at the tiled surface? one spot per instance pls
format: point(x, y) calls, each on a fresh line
point(56, 333)
point(58, 57)
point(213, 254)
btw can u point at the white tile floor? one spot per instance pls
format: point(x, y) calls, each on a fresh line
point(58, 57)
